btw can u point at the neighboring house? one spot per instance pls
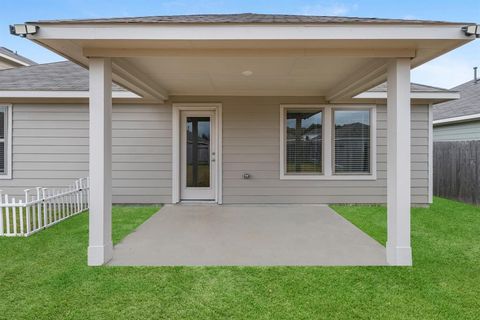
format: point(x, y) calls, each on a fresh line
point(459, 120)
point(279, 101)
point(10, 59)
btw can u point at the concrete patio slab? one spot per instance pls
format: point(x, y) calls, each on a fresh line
point(247, 235)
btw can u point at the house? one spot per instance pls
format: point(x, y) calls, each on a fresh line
point(10, 59)
point(280, 101)
point(459, 120)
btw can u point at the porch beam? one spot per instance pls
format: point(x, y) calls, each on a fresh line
point(125, 74)
point(349, 32)
point(359, 81)
point(278, 52)
point(100, 249)
point(399, 251)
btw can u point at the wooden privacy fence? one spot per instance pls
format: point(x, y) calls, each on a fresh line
point(41, 208)
point(456, 170)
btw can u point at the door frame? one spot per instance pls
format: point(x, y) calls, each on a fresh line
point(177, 108)
point(198, 193)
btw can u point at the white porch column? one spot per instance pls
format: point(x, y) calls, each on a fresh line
point(100, 247)
point(399, 251)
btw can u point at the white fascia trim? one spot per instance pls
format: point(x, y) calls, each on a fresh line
point(327, 145)
point(413, 95)
point(63, 94)
point(4, 56)
point(8, 175)
point(248, 32)
point(457, 119)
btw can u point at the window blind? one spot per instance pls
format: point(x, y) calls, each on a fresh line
point(352, 141)
point(304, 141)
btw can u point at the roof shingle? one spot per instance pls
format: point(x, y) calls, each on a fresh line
point(57, 76)
point(243, 18)
point(414, 87)
point(468, 104)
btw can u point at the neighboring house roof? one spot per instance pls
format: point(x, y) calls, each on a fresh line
point(465, 108)
point(245, 18)
point(56, 76)
point(414, 87)
point(14, 58)
point(68, 76)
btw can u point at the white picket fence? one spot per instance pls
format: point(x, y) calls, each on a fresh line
point(41, 208)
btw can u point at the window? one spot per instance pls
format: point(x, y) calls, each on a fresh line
point(304, 141)
point(327, 142)
point(198, 152)
point(351, 141)
point(5, 147)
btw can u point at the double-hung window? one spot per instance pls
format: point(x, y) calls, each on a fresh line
point(5, 145)
point(303, 141)
point(327, 142)
point(351, 141)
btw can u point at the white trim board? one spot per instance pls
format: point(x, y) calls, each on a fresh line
point(430, 153)
point(470, 117)
point(413, 95)
point(8, 142)
point(349, 31)
point(62, 94)
point(327, 147)
point(14, 60)
point(26, 94)
point(176, 110)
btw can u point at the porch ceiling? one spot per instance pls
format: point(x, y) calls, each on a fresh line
point(247, 75)
point(338, 62)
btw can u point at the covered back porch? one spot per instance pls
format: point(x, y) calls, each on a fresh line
point(160, 62)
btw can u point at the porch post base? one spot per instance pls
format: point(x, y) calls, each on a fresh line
point(399, 256)
point(100, 255)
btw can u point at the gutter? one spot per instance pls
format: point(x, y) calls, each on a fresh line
point(12, 59)
point(61, 94)
point(471, 117)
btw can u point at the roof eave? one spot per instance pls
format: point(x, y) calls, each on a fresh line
point(453, 120)
point(428, 97)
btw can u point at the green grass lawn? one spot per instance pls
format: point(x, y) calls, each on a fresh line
point(46, 277)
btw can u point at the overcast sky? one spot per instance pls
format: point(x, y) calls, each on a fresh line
point(447, 71)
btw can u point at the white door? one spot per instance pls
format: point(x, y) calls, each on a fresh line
point(197, 155)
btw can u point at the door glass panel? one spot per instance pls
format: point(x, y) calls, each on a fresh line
point(198, 152)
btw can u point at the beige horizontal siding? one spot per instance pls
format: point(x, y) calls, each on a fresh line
point(251, 145)
point(51, 149)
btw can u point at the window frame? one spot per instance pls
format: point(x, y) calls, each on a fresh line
point(328, 143)
point(8, 142)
